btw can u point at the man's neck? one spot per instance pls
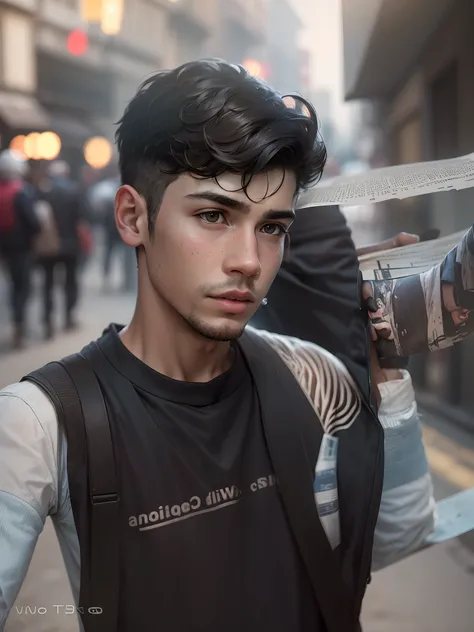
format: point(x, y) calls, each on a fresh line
point(164, 341)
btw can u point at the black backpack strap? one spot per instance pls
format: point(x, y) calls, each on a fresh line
point(293, 433)
point(76, 394)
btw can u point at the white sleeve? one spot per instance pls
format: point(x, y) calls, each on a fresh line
point(407, 510)
point(28, 481)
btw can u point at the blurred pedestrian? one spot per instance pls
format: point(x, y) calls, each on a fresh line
point(60, 173)
point(18, 227)
point(62, 214)
point(102, 199)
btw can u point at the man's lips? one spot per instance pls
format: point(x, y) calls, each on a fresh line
point(235, 295)
point(234, 302)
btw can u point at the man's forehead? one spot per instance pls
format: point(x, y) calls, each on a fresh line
point(260, 187)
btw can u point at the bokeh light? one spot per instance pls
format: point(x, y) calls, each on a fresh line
point(77, 42)
point(45, 146)
point(112, 16)
point(32, 146)
point(253, 67)
point(49, 145)
point(18, 144)
point(98, 152)
point(91, 10)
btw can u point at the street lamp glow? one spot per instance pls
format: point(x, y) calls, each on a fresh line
point(49, 145)
point(31, 146)
point(18, 144)
point(45, 146)
point(111, 17)
point(91, 11)
point(253, 67)
point(98, 152)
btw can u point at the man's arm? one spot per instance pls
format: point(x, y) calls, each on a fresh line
point(28, 484)
point(409, 520)
point(407, 510)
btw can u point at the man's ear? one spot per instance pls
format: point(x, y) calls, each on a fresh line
point(131, 216)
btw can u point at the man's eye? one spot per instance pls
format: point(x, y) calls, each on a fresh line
point(274, 229)
point(212, 217)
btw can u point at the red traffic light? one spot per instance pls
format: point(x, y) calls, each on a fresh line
point(77, 42)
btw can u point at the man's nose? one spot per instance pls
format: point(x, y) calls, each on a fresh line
point(242, 255)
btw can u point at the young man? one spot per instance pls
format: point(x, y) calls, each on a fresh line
point(207, 537)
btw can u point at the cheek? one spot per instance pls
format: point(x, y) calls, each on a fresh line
point(271, 257)
point(178, 258)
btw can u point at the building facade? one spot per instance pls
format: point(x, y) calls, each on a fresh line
point(416, 61)
point(237, 29)
point(46, 83)
point(20, 111)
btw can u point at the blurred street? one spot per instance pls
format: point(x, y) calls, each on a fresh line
point(430, 592)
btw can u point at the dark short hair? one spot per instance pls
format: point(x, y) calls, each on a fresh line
point(207, 117)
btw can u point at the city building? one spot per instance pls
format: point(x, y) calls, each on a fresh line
point(237, 29)
point(20, 111)
point(67, 68)
point(74, 84)
point(416, 61)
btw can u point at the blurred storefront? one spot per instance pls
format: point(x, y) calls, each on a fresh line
point(67, 68)
point(188, 30)
point(415, 60)
point(74, 89)
point(20, 112)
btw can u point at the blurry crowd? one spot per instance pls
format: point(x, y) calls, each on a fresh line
point(51, 227)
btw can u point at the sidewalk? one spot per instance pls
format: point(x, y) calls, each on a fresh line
point(431, 591)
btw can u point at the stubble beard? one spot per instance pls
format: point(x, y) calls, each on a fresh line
point(218, 334)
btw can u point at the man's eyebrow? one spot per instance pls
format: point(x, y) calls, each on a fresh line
point(289, 214)
point(238, 205)
point(220, 198)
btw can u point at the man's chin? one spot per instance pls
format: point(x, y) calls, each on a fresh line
point(220, 331)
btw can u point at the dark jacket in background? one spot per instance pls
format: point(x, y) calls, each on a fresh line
point(68, 210)
point(18, 240)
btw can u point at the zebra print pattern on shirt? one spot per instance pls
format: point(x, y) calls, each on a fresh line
point(333, 394)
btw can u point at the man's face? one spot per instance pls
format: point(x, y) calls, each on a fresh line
point(216, 250)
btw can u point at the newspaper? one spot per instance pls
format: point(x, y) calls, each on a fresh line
point(428, 310)
point(407, 260)
point(388, 183)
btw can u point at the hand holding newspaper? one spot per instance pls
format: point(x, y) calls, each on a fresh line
point(424, 294)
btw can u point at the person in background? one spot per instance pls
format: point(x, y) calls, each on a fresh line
point(60, 173)
point(18, 228)
point(102, 200)
point(61, 209)
point(113, 244)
